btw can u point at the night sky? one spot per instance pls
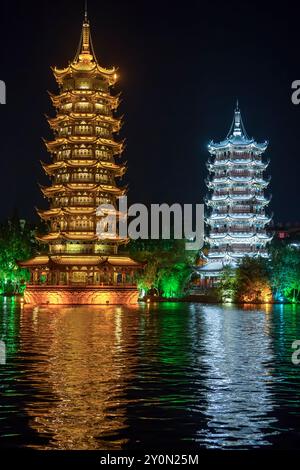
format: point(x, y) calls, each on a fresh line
point(182, 67)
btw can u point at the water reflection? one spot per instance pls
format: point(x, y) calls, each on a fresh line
point(239, 358)
point(115, 377)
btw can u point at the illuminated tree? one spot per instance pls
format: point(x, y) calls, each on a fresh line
point(15, 243)
point(285, 272)
point(226, 288)
point(168, 265)
point(253, 281)
point(173, 279)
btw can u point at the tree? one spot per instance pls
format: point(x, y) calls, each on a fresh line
point(285, 272)
point(16, 242)
point(172, 280)
point(168, 265)
point(227, 285)
point(252, 281)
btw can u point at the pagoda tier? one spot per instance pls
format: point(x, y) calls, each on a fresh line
point(83, 166)
point(236, 204)
point(83, 174)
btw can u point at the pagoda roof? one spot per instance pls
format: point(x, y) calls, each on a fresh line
point(88, 187)
point(36, 261)
point(51, 168)
point(90, 117)
point(47, 214)
point(51, 145)
point(85, 60)
point(237, 136)
point(79, 260)
point(78, 236)
point(56, 99)
point(65, 211)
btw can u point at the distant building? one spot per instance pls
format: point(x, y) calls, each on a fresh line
point(236, 204)
point(286, 231)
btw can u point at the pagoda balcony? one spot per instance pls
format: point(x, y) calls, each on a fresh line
point(90, 133)
point(263, 219)
point(90, 282)
point(79, 229)
point(241, 174)
point(79, 180)
point(70, 205)
point(231, 250)
point(244, 211)
point(78, 154)
point(237, 230)
point(246, 192)
point(66, 251)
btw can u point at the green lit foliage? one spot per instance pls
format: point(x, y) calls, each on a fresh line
point(285, 272)
point(253, 281)
point(15, 244)
point(147, 279)
point(167, 268)
point(172, 280)
point(226, 288)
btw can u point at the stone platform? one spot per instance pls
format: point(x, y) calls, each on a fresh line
point(80, 295)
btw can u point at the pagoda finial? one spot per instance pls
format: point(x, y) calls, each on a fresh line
point(86, 11)
point(237, 128)
point(237, 121)
point(85, 52)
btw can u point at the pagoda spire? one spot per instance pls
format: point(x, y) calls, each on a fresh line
point(85, 52)
point(86, 34)
point(86, 11)
point(237, 128)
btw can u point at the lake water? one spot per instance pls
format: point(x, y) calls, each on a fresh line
point(170, 374)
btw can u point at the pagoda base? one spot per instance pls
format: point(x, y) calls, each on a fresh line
point(84, 295)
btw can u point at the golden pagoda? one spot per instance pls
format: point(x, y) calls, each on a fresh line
point(80, 267)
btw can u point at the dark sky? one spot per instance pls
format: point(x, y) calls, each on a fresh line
point(181, 69)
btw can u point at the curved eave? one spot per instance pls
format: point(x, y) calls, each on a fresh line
point(92, 94)
point(52, 145)
point(50, 169)
point(231, 198)
point(243, 237)
point(80, 260)
point(49, 237)
point(89, 67)
point(238, 143)
point(56, 122)
point(215, 184)
point(262, 165)
point(123, 261)
point(54, 190)
point(48, 214)
point(36, 261)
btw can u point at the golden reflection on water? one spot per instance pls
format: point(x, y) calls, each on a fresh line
point(112, 377)
point(84, 375)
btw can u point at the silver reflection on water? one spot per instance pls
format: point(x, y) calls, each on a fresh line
point(149, 376)
point(238, 357)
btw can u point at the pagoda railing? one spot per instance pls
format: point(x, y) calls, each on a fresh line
point(231, 249)
point(78, 229)
point(77, 153)
point(70, 205)
point(233, 229)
